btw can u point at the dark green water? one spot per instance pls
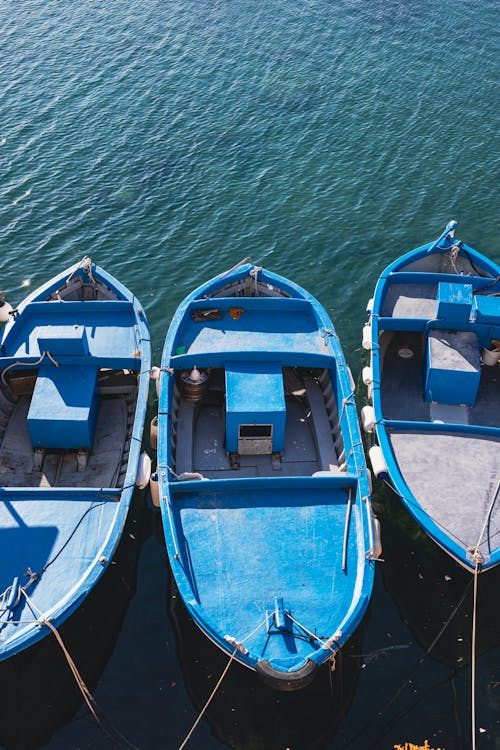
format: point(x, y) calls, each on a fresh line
point(170, 139)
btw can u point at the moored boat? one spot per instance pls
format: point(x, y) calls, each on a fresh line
point(263, 486)
point(74, 368)
point(434, 384)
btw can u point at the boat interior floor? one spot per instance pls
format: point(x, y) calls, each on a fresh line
point(402, 388)
point(306, 450)
point(107, 461)
point(454, 478)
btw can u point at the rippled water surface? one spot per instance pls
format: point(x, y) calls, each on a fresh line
point(170, 139)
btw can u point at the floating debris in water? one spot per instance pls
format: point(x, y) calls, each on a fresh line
point(26, 282)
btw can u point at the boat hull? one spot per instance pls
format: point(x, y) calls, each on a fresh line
point(63, 510)
point(435, 317)
point(270, 546)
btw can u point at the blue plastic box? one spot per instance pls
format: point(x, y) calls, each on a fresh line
point(63, 408)
point(453, 367)
point(255, 408)
point(454, 302)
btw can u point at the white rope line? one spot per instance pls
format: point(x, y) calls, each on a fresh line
point(87, 695)
point(478, 559)
point(28, 364)
point(209, 699)
point(487, 518)
point(325, 644)
point(473, 659)
point(237, 647)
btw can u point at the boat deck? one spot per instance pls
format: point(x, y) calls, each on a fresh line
point(402, 388)
point(454, 478)
point(200, 443)
point(243, 550)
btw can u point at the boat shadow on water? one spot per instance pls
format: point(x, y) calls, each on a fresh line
point(433, 593)
point(42, 694)
point(247, 714)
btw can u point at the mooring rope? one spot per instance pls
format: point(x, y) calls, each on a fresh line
point(325, 644)
point(407, 679)
point(237, 647)
point(200, 715)
point(478, 560)
point(89, 699)
point(28, 364)
point(473, 656)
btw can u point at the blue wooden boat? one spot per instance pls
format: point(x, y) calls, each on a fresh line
point(434, 383)
point(263, 485)
point(74, 367)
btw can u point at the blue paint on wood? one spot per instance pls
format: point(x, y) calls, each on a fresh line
point(63, 409)
point(263, 554)
point(66, 536)
point(468, 311)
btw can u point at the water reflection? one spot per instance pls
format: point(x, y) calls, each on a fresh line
point(433, 593)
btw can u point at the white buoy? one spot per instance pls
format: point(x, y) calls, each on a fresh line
point(155, 489)
point(378, 463)
point(369, 391)
point(490, 358)
point(368, 418)
point(5, 309)
point(351, 380)
point(370, 482)
point(377, 538)
point(369, 306)
point(143, 471)
point(367, 375)
point(366, 341)
point(153, 434)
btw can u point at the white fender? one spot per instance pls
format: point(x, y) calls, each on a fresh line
point(366, 341)
point(490, 358)
point(155, 489)
point(5, 310)
point(351, 380)
point(153, 434)
point(370, 482)
point(154, 374)
point(378, 463)
point(377, 537)
point(369, 306)
point(369, 391)
point(368, 418)
point(367, 375)
point(143, 471)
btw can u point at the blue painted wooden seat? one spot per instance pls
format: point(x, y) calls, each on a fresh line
point(63, 408)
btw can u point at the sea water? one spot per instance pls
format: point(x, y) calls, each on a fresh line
point(323, 138)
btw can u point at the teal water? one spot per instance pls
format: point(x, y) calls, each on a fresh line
point(170, 139)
